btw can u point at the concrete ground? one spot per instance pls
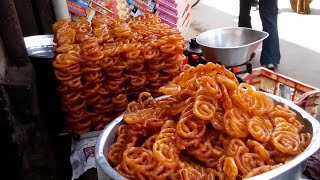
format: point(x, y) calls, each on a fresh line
point(299, 34)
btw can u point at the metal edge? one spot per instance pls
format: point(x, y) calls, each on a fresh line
point(202, 34)
point(39, 42)
point(99, 150)
point(45, 36)
point(311, 149)
point(30, 38)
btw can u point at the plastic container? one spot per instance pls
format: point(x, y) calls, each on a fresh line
point(304, 95)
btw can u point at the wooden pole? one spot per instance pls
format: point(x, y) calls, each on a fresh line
point(11, 34)
point(61, 9)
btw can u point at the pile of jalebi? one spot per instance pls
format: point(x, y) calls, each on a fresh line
point(210, 127)
point(103, 65)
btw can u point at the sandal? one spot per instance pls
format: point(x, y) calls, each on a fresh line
point(271, 66)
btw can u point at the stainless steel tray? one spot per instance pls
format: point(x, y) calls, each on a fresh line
point(290, 171)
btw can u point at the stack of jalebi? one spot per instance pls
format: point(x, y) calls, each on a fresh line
point(210, 127)
point(107, 63)
point(68, 72)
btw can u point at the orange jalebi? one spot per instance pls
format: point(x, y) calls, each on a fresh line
point(210, 128)
point(103, 65)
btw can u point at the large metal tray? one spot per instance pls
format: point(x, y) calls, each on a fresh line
point(290, 171)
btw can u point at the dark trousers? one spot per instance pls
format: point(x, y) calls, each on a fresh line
point(268, 10)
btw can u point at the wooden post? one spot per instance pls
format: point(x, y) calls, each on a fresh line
point(45, 15)
point(11, 34)
point(61, 9)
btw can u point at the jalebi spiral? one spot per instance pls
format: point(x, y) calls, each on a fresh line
point(105, 64)
point(211, 128)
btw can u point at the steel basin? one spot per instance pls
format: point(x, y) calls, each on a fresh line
point(290, 171)
point(230, 46)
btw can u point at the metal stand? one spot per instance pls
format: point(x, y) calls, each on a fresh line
point(195, 57)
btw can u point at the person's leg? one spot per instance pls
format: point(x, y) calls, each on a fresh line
point(268, 10)
point(244, 14)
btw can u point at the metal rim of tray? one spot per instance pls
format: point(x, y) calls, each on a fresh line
point(40, 46)
point(311, 149)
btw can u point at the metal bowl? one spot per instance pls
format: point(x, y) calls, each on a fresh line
point(231, 46)
point(40, 46)
point(289, 171)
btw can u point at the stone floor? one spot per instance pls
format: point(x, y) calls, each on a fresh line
point(299, 34)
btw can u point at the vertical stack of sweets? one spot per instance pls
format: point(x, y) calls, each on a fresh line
point(103, 65)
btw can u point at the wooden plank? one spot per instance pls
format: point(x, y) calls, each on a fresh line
point(45, 15)
point(11, 34)
point(28, 23)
